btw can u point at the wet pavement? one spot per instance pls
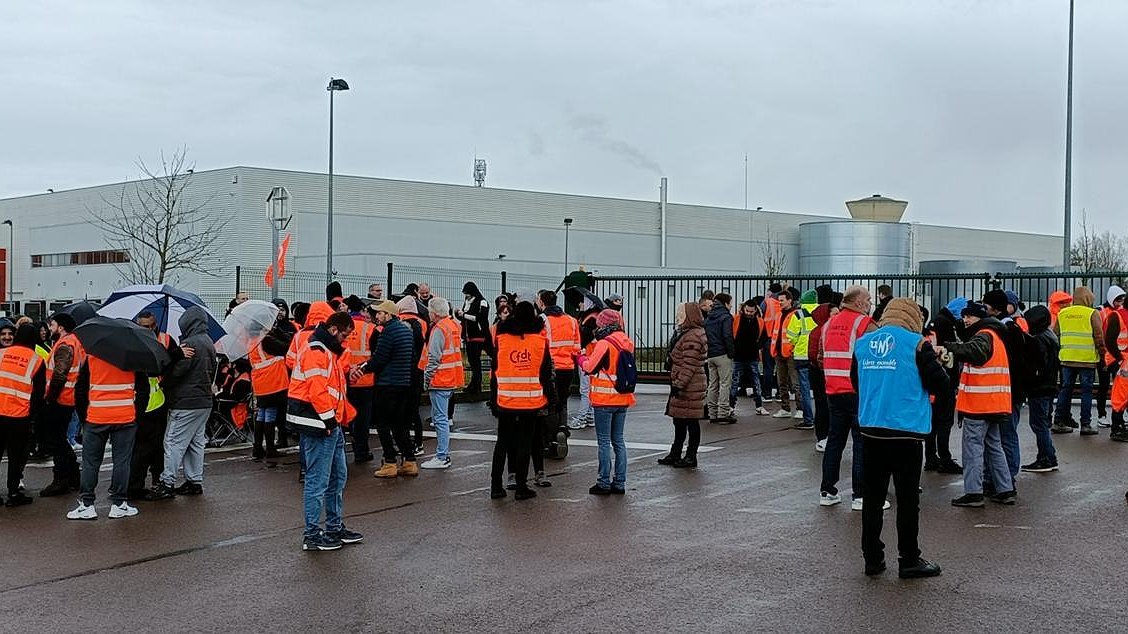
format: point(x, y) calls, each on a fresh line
point(738, 545)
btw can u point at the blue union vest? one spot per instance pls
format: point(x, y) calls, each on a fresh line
point(890, 394)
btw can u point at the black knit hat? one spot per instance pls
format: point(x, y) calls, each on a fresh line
point(354, 303)
point(997, 299)
point(975, 309)
point(334, 292)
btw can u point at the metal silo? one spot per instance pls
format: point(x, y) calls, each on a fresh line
point(855, 247)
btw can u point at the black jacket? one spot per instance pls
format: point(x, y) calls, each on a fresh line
point(475, 316)
point(394, 357)
point(1041, 364)
point(746, 342)
point(880, 310)
point(718, 330)
point(189, 382)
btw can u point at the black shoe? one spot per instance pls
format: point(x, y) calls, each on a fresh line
point(496, 493)
point(618, 490)
point(931, 465)
point(1059, 428)
point(1119, 435)
point(974, 500)
point(598, 490)
point(272, 454)
point(160, 492)
point(949, 467)
point(727, 420)
point(321, 541)
point(1006, 497)
point(875, 568)
point(669, 460)
point(17, 499)
point(57, 487)
point(361, 459)
point(136, 494)
point(1088, 430)
point(922, 568)
point(989, 488)
point(345, 536)
point(804, 426)
point(686, 463)
point(1040, 466)
point(189, 488)
point(524, 494)
point(256, 458)
point(1071, 423)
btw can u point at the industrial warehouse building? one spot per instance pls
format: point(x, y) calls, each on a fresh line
point(59, 255)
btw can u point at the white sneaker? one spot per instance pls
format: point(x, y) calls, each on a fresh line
point(820, 445)
point(1103, 422)
point(122, 510)
point(782, 414)
point(798, 414)
point(760, 411)
point(856, 505)
point(829, 499)
point(576, 423)
point(83, 512)
point(436, 463)
point(749, 391)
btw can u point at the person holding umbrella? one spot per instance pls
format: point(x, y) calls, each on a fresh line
point(22, 384)
point(148, 443)
point(111, 390)
point(67, 357)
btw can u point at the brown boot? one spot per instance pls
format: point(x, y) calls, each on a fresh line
point(408, 469)
point(386, 470)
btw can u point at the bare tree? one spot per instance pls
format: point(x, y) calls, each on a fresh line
point(163, 231)
point(1092, 251)
point(774, 258)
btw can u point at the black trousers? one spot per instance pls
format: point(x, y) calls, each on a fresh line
point(474, 356)
point(684, 427)
point(822, 407)
point(1104, 381)
point(54, 421)
point(148, 448)
point(899, 459)
point(390, 407)
point(937, 446)
point(564, 380)
point(361, 399)
point(514, 437)
point(414, 420)
point(15, 436)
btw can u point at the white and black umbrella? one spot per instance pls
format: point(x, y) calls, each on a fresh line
point(166, 304)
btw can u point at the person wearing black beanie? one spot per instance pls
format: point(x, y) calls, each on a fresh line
point(19, 408)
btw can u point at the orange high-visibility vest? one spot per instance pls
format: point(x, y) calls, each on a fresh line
point(18, 366)
point(319, 381)
point(1120, 388)
point(772, 313)
point(519, 360)
point(296, 344)
point(112, 394)
point(359, 352)
point(986, 389)
point(564, 340)
point(1023, 325)
point(603, 392)
point(449, 375)
point(268, 372)
point(786, 347)
point(1121, 339)
point(66, 396)
point(424, 327)
point(839, 335)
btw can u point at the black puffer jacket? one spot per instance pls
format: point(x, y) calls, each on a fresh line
point(394, 357)
point(718, 329)
point(189, 382)
point(1041, 359)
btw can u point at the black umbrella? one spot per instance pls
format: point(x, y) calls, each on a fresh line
point(123, 344)
point(81, 311)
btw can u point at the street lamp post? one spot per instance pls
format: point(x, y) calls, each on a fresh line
point(567, 226)
point(8, 265)
point(334, 86)
point(1068, 149)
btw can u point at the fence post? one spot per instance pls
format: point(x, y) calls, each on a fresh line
point(503, 282)
point(390, 287)
point(238, 278)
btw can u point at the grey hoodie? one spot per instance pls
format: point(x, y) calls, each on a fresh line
point(188, 382)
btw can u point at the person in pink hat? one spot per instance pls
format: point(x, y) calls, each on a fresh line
point(611, 366)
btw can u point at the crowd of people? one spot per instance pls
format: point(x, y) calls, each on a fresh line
point(888, 379)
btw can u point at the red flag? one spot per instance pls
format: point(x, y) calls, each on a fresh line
point(282, 256)
point(270, 275)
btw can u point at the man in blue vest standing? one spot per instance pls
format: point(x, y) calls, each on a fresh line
point(895, 370)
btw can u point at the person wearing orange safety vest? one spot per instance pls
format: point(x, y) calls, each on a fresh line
point(1116, 343)
point(109, 402)
point(771, 311)
point(610, 405)
point(409, 314)
point(358, 349)
point(586, 416)
point(148, 443)
point(783, 353)
point(984, 401)
point(442, 375)
point(1002, 306)
point(318, 407)
point(525, 387)
point(23, 383)
point(269, 380)
point(67, 357)
point(315, 315)
point(564, 345)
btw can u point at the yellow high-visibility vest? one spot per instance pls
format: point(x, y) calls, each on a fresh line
point(1076, 327)
point(156, 395)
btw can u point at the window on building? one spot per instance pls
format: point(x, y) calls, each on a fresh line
point(79, 258)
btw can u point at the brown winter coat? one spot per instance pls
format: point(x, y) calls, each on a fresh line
point(687, 374)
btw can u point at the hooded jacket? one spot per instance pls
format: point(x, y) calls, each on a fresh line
point(718, 330)
point(1041, 359)
point(687, 367)
point(188, 383)
point(475, 316)
point(1082, 296)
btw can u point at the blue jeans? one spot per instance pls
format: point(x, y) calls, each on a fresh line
point(1008, 431)
point(804, 387)
point(1069, 376)
point(983, 447)
point(740, 369)
point(1040, 424)
point(440, 402)
point(609, 424)
point(325, 478)
point(843, 422)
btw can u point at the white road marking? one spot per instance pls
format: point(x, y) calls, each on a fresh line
point(577, 442)
point(1021, 528)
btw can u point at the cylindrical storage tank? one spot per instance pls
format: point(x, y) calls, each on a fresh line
point(853, 247)
point(941, 267)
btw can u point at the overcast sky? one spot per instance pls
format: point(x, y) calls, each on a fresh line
point(955, 105)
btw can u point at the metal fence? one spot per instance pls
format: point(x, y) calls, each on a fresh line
point(650, 301)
